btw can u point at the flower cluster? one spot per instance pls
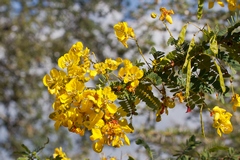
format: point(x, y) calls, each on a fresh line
point(232, 4)
point(221, 120)
point(80, 108)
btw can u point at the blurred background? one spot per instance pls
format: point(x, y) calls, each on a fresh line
point(35, 33)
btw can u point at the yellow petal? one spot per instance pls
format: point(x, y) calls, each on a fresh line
point(57, 125)
point(220, 3)
point(46, 80)
point(126, 139)
point(232, 7)
point(210, 4)
point(97, 147)
point(65, 98)
point(226, 129)
point(162, 9)
point(135, 83)
point(92, 73)
point(162, 17)
point(96, 134)
point(61, 62)
point(170, 12)
point(97, 117)
point(169, 19)
point(219, 132)
point(112, 108)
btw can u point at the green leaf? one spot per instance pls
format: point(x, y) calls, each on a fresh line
point(22, 158)
point(181, 37)
point(221, 80)
point(26, 148)
point(128, 106)
point(214, 45)
point(192, 44)
point(154, 78)
point(200, 9)
point(188, 78)
point(146, 146)
point(153, 50)
point(171, 41)
point(146, 95)
point(130, 158)
point(231, 151)
point(217, 148)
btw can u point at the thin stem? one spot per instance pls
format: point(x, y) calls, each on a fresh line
point(231, 85)
point(140, 51)
point(167, 29)
point(202, 123)
point(94, 57)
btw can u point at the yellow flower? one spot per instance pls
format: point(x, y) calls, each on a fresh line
point(180, 97)
point(112, 64)
point(54, 81)
point(60, 154)
point(166, 15)
point(221, 120)
point(74, 86)
point(211, 3)
point(235, 101)
point(112, 133)
point(123, 32)
point(68, 60)
point(100, 67)
point(232, 5)
point(130, 73)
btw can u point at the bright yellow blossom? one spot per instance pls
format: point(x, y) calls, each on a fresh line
point(60, 154)
point(112, 133)
point(123, 32)
point(130, 73)
point(112, 64)
point(68, 60)
point(100, 67)
point(166, 14)
point(235, 101)
point(54, 81)
point(221, 120)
